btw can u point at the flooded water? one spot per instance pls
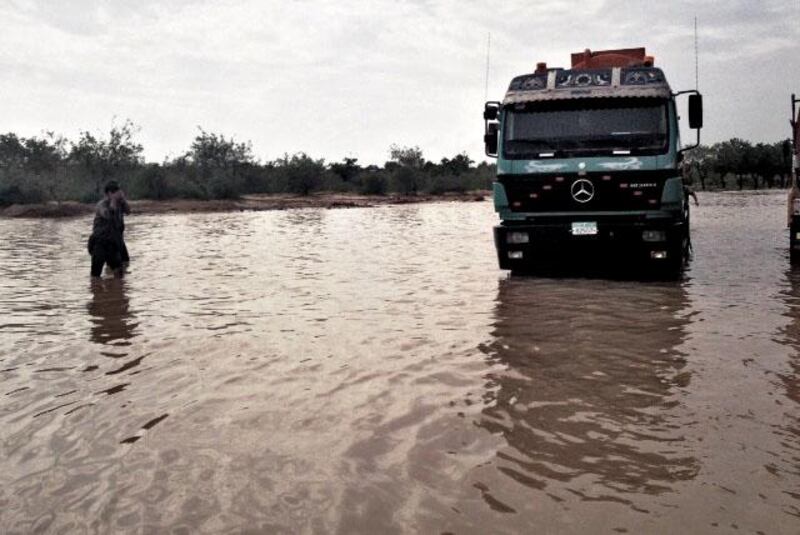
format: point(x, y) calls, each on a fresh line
point(371, 371)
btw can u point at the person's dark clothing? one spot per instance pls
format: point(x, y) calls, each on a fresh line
point(105, 253)
point(123, 253)
point(124, 208)
point(106, 244)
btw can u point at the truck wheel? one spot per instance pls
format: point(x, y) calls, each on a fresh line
point(676, 259)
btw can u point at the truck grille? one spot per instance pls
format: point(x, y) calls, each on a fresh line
point(591, 192)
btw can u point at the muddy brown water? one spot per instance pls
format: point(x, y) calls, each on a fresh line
point(371, 371)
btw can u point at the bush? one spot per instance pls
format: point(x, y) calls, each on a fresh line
point(303, 174)
point(151, 183)
point(373, 183)
point(333, 182)
point(406, 180)
point(21, 195)
point(223, 184)
point(89, 197)
point(106, 159)
point(445, 183)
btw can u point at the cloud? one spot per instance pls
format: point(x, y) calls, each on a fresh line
point(336, 78)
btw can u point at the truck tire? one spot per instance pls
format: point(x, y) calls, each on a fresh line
point(677, 254)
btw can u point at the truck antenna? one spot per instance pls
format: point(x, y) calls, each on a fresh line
point(488, 47)
point(696, 69)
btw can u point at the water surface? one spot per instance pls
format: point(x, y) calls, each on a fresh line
point(370, 370)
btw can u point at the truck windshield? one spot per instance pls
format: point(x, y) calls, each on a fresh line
point(585, 127)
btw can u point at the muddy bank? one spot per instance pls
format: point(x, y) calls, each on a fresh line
point(246, 203)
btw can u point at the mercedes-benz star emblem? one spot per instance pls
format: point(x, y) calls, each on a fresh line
point(582, 190)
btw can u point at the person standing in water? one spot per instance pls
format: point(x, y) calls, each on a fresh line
point(106, 244)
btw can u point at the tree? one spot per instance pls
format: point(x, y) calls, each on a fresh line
point(766, 163)
point(347, 170)
point(303, 173)
point(31, 170)
point(218, 166)
point(407, 173)
point(104, 159)
point(407, 156)
point(701, 162)
point(214, 151)
point(13, 153)
point(729, 159)
point(458, 166)
point(406, 180)
point(46, 161)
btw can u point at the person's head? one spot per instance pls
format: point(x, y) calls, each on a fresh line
point(112, 189)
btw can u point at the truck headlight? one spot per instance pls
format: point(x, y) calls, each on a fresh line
point(654, 235)
point(517, 237)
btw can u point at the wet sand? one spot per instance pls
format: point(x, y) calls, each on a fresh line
point(371, 371)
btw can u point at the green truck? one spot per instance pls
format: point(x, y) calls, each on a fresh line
point(794, 191)
point(589, 165)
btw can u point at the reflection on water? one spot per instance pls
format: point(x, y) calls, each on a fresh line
point(790, 381)
point(792, 336)
point(590, 385)
point(371, 371)
point(109, 311)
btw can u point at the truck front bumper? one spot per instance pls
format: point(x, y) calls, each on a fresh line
point(794, 239)
point(524, 245)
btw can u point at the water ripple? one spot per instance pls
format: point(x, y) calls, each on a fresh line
point(370, 370)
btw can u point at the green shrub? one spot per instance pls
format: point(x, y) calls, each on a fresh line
point(406, 180)
point(16, 194)
point(303, 174)
point(223, 184)
point(446, 183)
point(89, 197)
point(151, 183)
point(373, 183)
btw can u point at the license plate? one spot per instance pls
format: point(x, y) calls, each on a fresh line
point(584, 228)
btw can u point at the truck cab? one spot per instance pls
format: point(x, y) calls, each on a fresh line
point(794, 191)
point(589, 164)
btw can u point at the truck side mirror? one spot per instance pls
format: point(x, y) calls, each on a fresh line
point(490, 111)
point(490, 139)
point(696, 111)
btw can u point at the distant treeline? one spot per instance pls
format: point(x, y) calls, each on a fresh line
point(739, 164)
point(52, 168)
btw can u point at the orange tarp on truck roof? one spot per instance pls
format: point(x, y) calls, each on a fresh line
point(603, 59)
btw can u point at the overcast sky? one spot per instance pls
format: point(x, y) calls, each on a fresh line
point(343, 78)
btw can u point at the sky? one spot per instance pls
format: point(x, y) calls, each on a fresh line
point(343, 78)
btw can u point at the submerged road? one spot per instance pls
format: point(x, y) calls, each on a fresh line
point(370, 370)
